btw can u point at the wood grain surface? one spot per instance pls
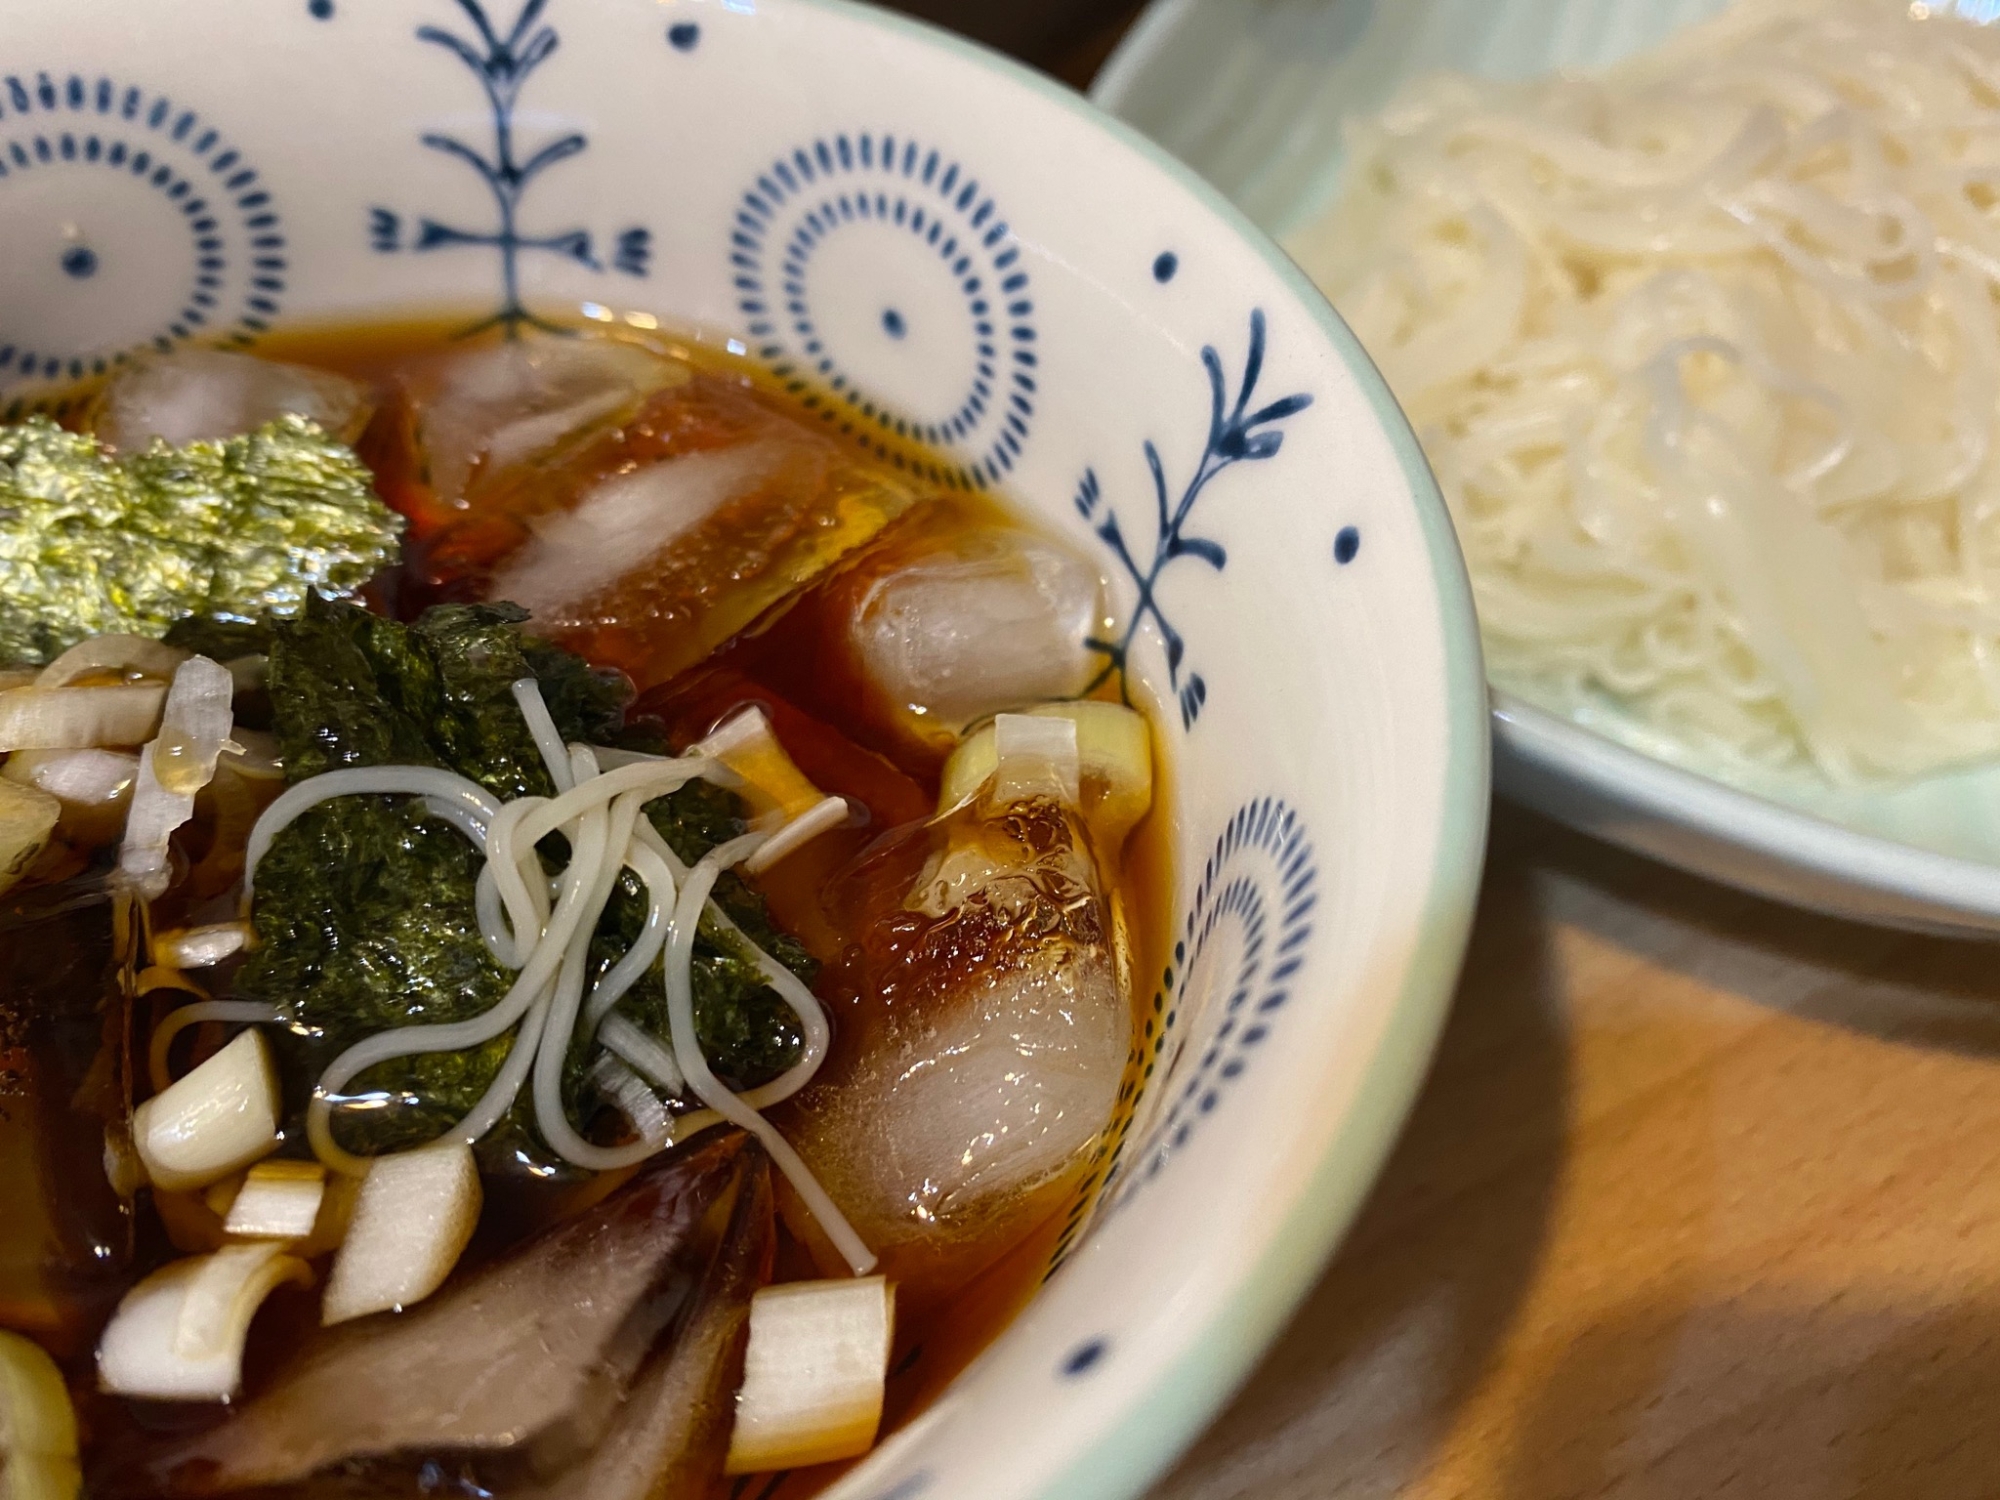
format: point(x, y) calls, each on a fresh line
point(1701, 1199)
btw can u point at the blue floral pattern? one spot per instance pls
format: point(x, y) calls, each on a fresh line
point(1235, 434)
point(502, 62)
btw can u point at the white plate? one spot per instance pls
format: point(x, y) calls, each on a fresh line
point(1251, 93)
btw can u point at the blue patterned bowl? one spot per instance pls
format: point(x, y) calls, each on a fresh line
point(953, 248)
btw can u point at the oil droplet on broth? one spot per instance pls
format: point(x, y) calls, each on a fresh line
point(179, 764)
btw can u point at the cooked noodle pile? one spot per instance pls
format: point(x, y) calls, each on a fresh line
point(1705, 351)
point(542, 930)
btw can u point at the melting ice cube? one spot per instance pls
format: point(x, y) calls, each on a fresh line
point(650, 545)
point(992, 620)
point(485, 411)
point(986, 1046)
point(624, 522)
point(208, 393)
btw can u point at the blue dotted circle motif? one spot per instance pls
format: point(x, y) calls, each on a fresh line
point(95, 124)
point(804, 200)
point(1260, 885)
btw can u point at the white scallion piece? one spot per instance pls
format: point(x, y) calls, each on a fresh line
point(124, 655)
point(336, 1215)
point(415, 1212)
point(813, 1374)
point(279, 1200)
point(641, 1052)
point(218, 1119)
point(179, 762)
point(1114, 750)
point(1035, 757)
point(75, 718)
point(199, 947)
point(93, 785)
point(38, 1453)
point(745, 743)
point(179, 1334)
point(638, 1103)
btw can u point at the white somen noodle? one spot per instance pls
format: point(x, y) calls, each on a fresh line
point(1705, 351)
point(540, 927)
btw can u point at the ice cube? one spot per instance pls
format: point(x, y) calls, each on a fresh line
point(995, 1094)
point(986, 1046)
point(992, 619)
point(650, 545)
point(207, 393)
point(952, 614)
point(624, 521)
point(482, 412)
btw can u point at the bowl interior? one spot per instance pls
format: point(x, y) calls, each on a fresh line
point(939, 244)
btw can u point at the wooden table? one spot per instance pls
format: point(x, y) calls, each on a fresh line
point(1701, 1199)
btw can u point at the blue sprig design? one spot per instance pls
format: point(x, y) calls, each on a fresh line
point(634, 252)
point(1235, 434)
point(502, 62)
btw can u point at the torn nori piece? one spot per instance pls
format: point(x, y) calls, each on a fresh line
point(365, 915)
point(237, 529)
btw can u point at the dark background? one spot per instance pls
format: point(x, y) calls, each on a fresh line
point(1068, 38)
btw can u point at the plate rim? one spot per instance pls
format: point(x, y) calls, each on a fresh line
point(1961, 895)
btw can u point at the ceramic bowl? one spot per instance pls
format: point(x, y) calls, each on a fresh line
point(948, 246)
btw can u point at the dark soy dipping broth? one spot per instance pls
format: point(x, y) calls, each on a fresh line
point(824, 713)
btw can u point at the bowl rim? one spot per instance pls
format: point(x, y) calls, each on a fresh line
point(1164, 1418)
